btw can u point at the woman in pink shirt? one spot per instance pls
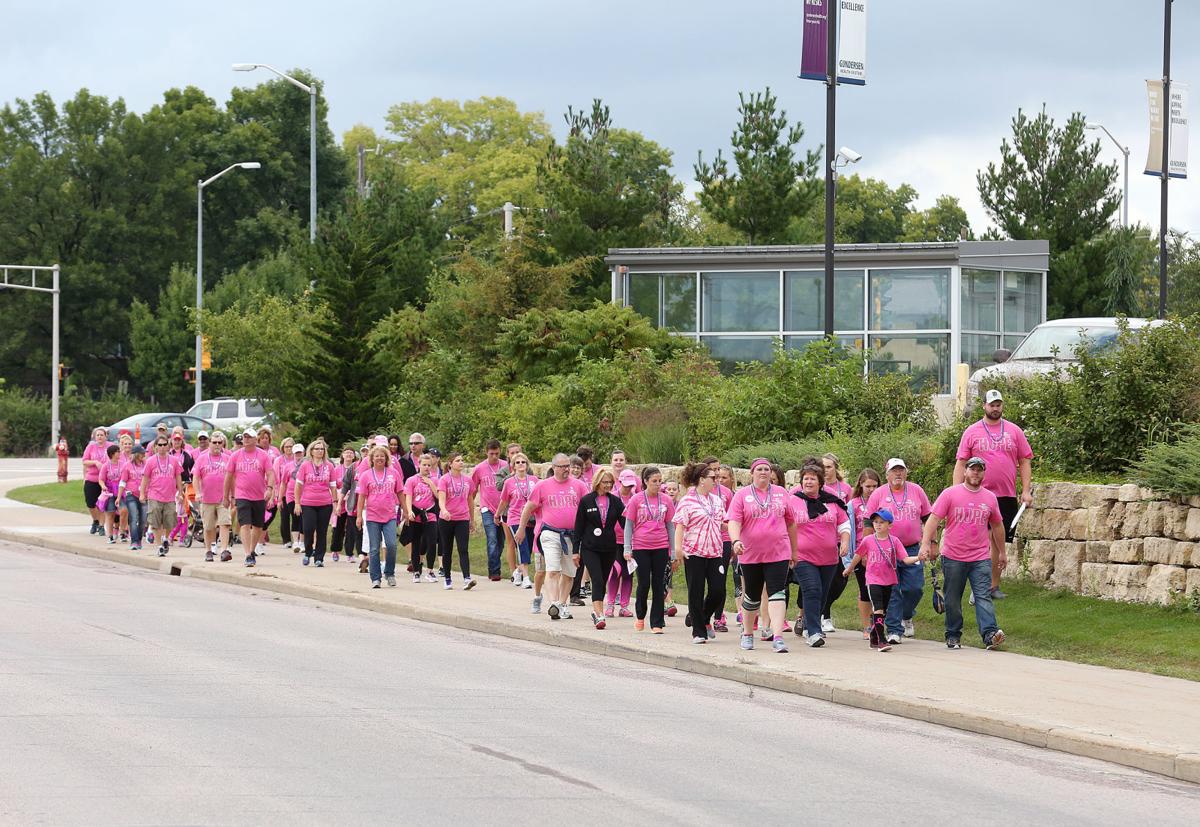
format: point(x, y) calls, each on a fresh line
point(94, 456)
point(834, 481)
point(699, 520)
point(315, 486)
point(882, 553)
point(421, 508)
point(822, 538)
point(725, 487)
point(285, 466)
point(110, 482)
point(650, 543)
point(762, 525)
point(620, 582)
point(513, 496)
point(379, 494)
point(868, 481)
point(456, 499)
point(128, 488)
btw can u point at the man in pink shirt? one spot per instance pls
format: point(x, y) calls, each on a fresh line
point(1003, 446)
point(972, 544)
point(909, 506)
point(161, 490)
point(555, 501)
point(484, 477)
point(209, 478)
point(250, 484)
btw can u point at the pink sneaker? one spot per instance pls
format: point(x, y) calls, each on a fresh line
point(609, 610)
point(625, 612)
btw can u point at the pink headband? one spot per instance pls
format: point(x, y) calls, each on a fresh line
point(758, 462)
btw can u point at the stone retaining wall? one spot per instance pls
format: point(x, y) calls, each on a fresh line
point(1119, 542)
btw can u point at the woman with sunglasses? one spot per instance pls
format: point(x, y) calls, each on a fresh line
point(513, 496)
point(315, 486)
point(698, 520)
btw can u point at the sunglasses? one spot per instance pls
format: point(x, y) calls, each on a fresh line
point(160, 445)
point(416, 443)
point(520, 462)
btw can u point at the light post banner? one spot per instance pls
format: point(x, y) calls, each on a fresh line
point(852, 42)
point(813, 42)
point(1179, 129)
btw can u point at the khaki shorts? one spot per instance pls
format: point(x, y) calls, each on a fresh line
point(214, 515)
point(160, 515)
point(558, 553)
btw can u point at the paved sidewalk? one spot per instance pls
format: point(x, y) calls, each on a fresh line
point(1129, 718)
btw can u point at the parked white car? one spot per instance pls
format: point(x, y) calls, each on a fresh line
point(1049, 347)
point(229, 414)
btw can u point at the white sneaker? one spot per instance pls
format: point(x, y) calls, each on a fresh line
point(537, 605)
point(909, 631)
point(827, 625)
point(297, 546)
point(564, 613)
point(893, 638)
point(516, 579)
point(430, 577)
point(262, 549)
point(527, 583)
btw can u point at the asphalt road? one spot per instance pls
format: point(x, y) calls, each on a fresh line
point(131, 697)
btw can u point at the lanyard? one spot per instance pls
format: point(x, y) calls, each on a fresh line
point(456, 490)
point(657, 513)
point(764, 508)
point(996, 440)
point(891, 548)
point(903, 500)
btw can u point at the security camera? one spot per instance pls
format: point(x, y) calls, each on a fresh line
point(850, 156)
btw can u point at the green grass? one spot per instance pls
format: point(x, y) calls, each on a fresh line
point(65, 496)
point(1039, 622)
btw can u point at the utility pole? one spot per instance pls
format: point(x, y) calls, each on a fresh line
point(831, 14)
point(1166, 161)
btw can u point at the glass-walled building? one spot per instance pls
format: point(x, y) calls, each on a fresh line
point(916, 309)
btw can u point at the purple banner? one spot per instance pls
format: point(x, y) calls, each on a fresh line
point(812, 57)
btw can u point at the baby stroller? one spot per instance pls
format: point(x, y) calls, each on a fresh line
point(196, 531)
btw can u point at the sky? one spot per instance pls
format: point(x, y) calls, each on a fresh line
point(944, 77)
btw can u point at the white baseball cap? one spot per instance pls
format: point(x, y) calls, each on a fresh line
point(250, 432)
point(298, 448)
point(992, 396)
point(895, 462)
point(202, 435)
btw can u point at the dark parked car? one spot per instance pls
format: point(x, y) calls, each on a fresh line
point(145, 426)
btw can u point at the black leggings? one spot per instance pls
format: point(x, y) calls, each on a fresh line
point(705, 579)
point(314, 521)
point(756, 575)
point(599, 562)
point(880, 595)
point(456, 531)
point(288, 522)
point(424, 543)
point(651, 574)
point(346, 535)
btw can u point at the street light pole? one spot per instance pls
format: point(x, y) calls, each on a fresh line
point(831, 16)
point(311, 89)
point(1166, 161)
point(1124, 151)
point(200, 185)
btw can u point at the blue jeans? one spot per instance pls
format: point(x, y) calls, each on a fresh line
point(137, 518)
point(979, 574)
point(907, 594)
point(494, 542)
point(388, 532)
point(814, 585)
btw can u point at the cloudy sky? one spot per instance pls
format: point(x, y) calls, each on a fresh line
point(944, 76)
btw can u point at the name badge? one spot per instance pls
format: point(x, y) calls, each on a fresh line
point(596, 531)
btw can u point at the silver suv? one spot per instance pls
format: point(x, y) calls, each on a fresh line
point(229, 414)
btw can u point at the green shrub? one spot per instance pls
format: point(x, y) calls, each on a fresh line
point(656, 434)
point(25, 418)
point(1172, 468)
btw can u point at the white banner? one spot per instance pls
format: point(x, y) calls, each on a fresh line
point(852, 42)
point(1179, 129)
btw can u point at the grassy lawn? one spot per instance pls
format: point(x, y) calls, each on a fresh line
point(1038, 622)
point(65, 496)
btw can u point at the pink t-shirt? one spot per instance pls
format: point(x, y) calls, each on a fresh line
point(160, 474)
point(458, 493)
point(516, 492)
point(131, 475)
point(726, 498)
point(110, 473)
point(879, 557)
point(555, 503)
point(420, 495)
point(702, 519)
point(589, 474)
point(381, 493)
point(249, 471)
point(650, 517)
point(1002, 447)
point(285, 478)
point(483, 476)
point(98, 452)
point(969, 516)
point(209, 474)
point(817, 538)
point(858, 510)
point(840, 489)
point(909, 507)
point(764, 518)
point(316, 479)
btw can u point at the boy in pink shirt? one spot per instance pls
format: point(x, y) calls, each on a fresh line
point(882, 553)
point(972, 542)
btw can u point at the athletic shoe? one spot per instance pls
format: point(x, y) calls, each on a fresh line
point(564, 613)
point(586, 590)
point(909, 631)
point(766, 634)
point(747, 642)
point(430, 577)
point(672, 611)
point(150, 537)
point(639, 625)
point(250, 560)
point(700, 639)
point(95, 529)
point(163, 549)
point(336, 557)
point(625, 612)
point(798, 628)
point(364, 565)
point(710, 632)
point(391, 581)
point(297, 546)
point(827, 625)
point(779, 646)
point(553, 611)
point(952, 643)
point(893, 638)
point(306, 560)
point(136, 547)
point(785, 627)
point(516, 578)
point(226, 556)
point(262, 549)
point(577, 601)
point(815, 641)
point(319, 563)
point(598, 621)
point(996, 639)
point(687, 620)
point(885, 647)
point(972, 599)
point(209, 556)
point(495, 578)
point(998, 595)
point(537, 604)
point(528, 583)
point(448, 585)
point(416, 577)
point(469, 584)
point(656, 630)
point(720, 624)
point(610, 610)
point(375, 584)
point(124, 536)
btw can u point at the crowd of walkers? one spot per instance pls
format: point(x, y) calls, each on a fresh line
point(586, 532)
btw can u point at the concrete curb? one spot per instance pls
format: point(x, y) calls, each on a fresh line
point(1162, 760)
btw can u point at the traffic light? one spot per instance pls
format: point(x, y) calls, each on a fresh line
point(205, 353)
point(64, 370)
point(189, 374)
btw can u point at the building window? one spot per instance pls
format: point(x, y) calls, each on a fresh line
point(643, 295)
point(730, 350)
point(1022, 301)
point(849, 341)
point(916, 299)
point(977, 349)
point(666, 299)
point(980, 302)
point(924, 359)
point(739, 302)
point(804, 300)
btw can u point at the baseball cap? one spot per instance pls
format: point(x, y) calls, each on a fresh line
point(298, 448)
point(250, 432)
point(628, 478)
point(202, 435)
point(895, 462)
point(992, 396)
point(138, 449)
point(976, 461)
point(883, 514)
point(162, 426)
point(435, 452)
point(381, 441)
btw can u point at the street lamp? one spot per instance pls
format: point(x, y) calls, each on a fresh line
point(200, 185)
point(311, 89)
point(1124, 151)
